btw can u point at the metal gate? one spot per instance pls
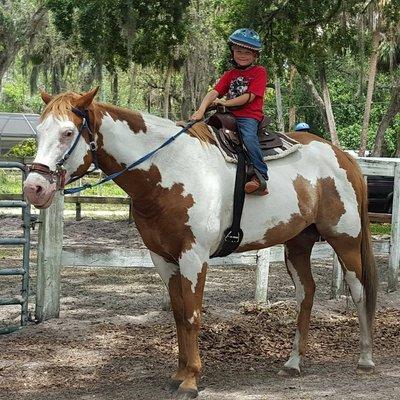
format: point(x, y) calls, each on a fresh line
point(24, 241)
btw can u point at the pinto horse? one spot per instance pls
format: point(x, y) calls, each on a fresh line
point(182, 203)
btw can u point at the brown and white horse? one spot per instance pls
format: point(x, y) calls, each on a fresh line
point(182, 203)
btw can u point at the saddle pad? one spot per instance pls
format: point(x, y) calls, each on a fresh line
point(289, 146)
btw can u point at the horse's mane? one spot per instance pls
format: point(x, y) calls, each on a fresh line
point(60, 104)
point(202, 132)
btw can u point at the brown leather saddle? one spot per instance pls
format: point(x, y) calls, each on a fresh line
point(224, 125)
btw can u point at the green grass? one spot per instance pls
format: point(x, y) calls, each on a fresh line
point(381, 229)
point(10, 182)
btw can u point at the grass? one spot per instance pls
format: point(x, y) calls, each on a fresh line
point(10, 181)
point(380, 229)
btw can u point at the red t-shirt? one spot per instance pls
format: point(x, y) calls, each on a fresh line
point(235, 82)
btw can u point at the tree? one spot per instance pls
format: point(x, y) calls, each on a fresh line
point(125, 31)
point(20, 21)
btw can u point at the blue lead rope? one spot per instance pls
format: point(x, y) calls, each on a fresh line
point(129, 167)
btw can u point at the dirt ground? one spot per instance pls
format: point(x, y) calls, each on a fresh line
point(113, 341)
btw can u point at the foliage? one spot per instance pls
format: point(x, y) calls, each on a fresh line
point(116, 32)
point(27, 148)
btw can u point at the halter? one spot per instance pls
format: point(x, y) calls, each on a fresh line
point(58, 175)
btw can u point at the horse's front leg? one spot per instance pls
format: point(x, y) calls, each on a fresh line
point(185, 287)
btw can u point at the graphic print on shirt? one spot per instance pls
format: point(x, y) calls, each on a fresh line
point(237, 87)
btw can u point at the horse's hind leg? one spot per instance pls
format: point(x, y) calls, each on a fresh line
point(348, 251)
point(297, 258)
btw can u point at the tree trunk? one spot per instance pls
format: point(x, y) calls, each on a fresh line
point(132, 83)
point(56, 85)
point(391, 112)
point(114, 87)
point(99, 78)
point(198, 69)
point(317, 98)
point(292, 108)
point(328, 106)
point(360, 90)
point(167, 89)
point(397, 154)
point(279, 108)
point(15, 40)
point(368, 101)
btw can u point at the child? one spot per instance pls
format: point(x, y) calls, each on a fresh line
point(244, 87)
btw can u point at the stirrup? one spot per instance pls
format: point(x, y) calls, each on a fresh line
point(261, 179)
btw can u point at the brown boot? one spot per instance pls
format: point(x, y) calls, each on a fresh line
point(253, 187)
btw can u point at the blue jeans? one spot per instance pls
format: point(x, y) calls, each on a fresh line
point(248, 128)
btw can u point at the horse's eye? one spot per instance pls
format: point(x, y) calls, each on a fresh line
point(68, 133)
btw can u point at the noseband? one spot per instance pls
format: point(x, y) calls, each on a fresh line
point(58, 175)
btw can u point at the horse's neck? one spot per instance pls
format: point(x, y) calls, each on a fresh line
point(125, 136)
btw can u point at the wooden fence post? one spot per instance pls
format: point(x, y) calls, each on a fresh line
point(262, 274)
point(49, 260)
point(394, 253)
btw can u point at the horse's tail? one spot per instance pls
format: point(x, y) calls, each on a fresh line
point(369, 272)
point(369, 277)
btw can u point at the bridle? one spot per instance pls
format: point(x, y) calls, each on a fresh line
point(58, 175)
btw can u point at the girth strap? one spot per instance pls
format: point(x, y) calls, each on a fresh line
point(233, 236)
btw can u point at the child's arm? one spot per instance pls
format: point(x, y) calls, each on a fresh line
point(208, 100)
point(237, 101)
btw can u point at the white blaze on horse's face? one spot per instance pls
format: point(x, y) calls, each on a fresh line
point(55, 135)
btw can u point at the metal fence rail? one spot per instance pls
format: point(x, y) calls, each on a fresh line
point(22, 299)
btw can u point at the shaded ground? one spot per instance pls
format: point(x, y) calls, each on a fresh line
point(112, 340)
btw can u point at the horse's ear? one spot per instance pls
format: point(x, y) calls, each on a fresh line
point(86, 99)
point(45, 96)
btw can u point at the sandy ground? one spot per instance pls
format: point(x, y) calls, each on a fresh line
point(113, 341)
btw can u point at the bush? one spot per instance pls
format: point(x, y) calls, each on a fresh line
point(27, 148)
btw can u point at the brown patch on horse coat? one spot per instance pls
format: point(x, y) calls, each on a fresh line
point(134, 119)
point(331, 207)
point(202, 132)
point(161, 214)
point(310, 212)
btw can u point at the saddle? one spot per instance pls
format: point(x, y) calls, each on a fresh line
point(226, 132)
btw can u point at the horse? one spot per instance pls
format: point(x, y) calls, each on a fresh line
point(182, 199)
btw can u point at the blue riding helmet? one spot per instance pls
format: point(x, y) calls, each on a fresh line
point(246, 38)
point(302, 126)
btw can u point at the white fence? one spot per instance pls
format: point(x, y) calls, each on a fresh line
point(49, 280)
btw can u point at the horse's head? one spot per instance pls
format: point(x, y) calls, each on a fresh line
point(64, 149)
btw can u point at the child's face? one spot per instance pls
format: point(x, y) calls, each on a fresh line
point(242, 56)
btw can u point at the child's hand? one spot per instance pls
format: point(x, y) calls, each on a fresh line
point(222, 102)
point(198, 115)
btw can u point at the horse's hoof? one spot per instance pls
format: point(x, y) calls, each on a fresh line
point(289, 372)
point(365, 369)
point(186, 394)
point(173, 385)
